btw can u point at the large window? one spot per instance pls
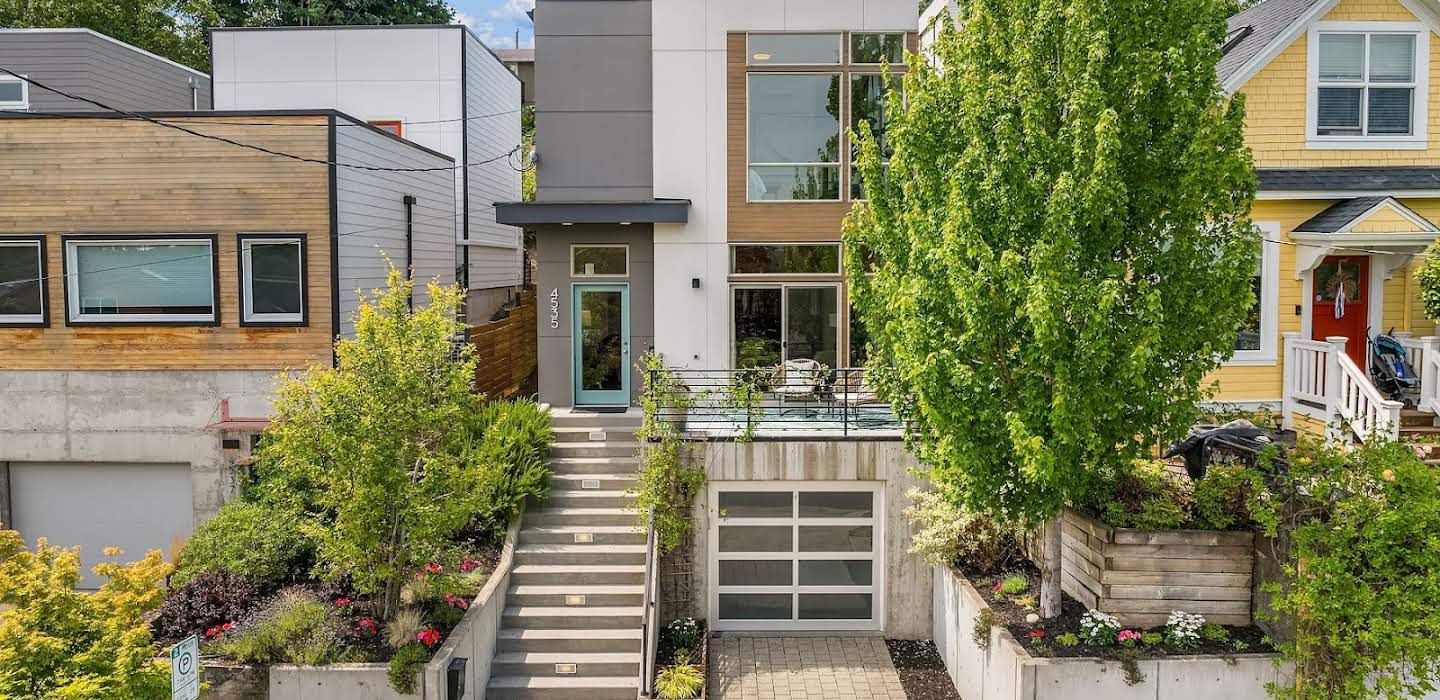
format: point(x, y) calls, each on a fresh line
point(774, 323)
point(22, 281)
point(164, 279)
point(1259, 335)
point(877, 48)
point(272, 279)
point(796, 556)
point(14, 93)
point(794, 136)
point(792, 49)
point(1368, 84)
point(785, 259)
point(868, 98)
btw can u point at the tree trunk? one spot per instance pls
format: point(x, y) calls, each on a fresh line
point(1050, 572)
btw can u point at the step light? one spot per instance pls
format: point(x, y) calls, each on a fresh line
point(589, 483)
point(597, 436)
point(574, 600)
point(584, 537)
point(564, 669)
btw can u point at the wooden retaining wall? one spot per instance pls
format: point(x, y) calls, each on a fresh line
point(1140, 577)
point(505, 350)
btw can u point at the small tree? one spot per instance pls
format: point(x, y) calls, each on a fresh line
point(380, 444)
point(60, 644)
point(1060, 250)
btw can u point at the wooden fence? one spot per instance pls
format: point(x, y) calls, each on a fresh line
point(505, 350)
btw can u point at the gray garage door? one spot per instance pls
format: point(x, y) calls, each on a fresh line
point(136, 507)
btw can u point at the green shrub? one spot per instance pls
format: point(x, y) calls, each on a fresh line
point(1014, 584)
point(950, 532)
point(1214, 633)
point(1150, 639)
point(1427, 278)
point(297, 627)
point(405, 666)
point(1067, 639)
point(511, 452)
point(265, 544)
point(1146, 497)
point(682, 680)
point(668, 480)
point(1222, 498)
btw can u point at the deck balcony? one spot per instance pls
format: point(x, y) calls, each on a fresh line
point(792, 401)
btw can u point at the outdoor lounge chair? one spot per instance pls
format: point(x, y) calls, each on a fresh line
point(796, 379)
point(851, 389)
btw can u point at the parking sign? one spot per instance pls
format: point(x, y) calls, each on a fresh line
point(185, 669)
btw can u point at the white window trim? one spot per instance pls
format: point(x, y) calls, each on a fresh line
point(247, 241)
point(1419, 139)
point(72, 284)
point(578, 275)
point(876, 589)
point(839, 44)
point(784, 311)
point(1269, 301)
point(842, 180)
point(24, 103)
point(29, 319)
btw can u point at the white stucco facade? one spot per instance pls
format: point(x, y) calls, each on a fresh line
point(690, 150)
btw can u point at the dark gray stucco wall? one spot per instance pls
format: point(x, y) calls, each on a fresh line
point(91, 66)
point(555, 291)
point(593, 97)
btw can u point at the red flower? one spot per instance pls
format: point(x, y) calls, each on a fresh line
point(468, 565)
point(342, 601)
point(998, 584)
point(428, 636)
point(367, 626)
point(219, 630)
point(1037, 634)
point(432, 568)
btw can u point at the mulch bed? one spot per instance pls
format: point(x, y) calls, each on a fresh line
point(922, 672)
point(1242, 640)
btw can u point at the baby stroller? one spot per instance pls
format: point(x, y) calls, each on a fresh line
point(1391, 371)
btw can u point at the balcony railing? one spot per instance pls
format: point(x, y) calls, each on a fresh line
point(785, 402)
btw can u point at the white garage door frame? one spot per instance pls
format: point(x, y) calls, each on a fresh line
point(876, 556)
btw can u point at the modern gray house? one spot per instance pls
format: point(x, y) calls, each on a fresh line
point(89, 64)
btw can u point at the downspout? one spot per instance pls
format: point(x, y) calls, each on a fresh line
point(409, 201)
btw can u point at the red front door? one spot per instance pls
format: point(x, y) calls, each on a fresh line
point(1348, 275)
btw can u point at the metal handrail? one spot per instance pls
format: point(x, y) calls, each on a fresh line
point(784, 399)
point(649, 617)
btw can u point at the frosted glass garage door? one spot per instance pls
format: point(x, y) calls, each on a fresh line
point(795, 557)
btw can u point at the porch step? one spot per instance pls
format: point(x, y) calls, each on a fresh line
point(553, 515)
point(1410, 418)
point(562, 575)
point(564, 687)
point(570, 641)
point(595, 449)
point(569, 418)
point(595, 465)
point(532, 617)
point(598, 534)
point(588, 498)
point(541, 664)
point(591, 434)
point(591, 482)
point(579, 598)
point(1418, 431)
point(579, 554)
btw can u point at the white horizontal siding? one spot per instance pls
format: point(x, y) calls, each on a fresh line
point(491, 89)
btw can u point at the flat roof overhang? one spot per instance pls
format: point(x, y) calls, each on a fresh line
point(644, 211)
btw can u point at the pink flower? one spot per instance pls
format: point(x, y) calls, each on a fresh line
point(1129, 635)
point(457, 602)
point(468, 565)
point(998, 584)
point(342, 601)
point(428, 636)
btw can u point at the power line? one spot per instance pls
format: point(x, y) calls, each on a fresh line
point(200, 118)
point(261, 149)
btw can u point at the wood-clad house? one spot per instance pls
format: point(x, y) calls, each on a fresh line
point(155, 278)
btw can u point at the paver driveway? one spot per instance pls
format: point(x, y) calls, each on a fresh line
point(802, 668)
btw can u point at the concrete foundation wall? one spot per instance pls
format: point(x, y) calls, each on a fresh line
point(130, 416)
point(907, 577)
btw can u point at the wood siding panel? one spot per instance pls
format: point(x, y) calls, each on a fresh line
point(90, 176)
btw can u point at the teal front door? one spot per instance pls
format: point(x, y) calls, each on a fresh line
point(601, 338)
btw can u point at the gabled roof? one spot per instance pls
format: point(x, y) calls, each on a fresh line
point(1254, 29)
point(1343, 216)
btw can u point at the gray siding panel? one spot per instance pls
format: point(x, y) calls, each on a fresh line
point(491, 89)
point(91, 66)
point(371, 215)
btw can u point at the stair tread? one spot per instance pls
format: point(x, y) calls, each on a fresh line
point(568, 510)
point(578, 568)
point(1420, 429)
point(569, 529)
point(563, 657)
point(573, 476)
point(532, 633)
point(564, 682)
point(585, 548)
point(582, 589)
point(588, 493)
point(570, 611)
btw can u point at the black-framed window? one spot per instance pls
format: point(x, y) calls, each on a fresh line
point(272, 279)
point(164, 279)
point(22, 281)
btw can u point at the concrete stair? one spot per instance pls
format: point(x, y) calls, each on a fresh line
point(571, 628)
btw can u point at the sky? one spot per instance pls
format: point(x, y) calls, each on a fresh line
point(495, 21)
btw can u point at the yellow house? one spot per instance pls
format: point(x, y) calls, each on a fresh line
point(1344, 123)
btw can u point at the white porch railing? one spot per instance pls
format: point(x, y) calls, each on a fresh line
point(1322, 382)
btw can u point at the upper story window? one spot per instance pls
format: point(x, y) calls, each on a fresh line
point(793, 49)
point(877, 48)
point(794, 136)
point(22, 281)
point(1259, 334)
point(600, 260)
point(868, 98)
point(786, 259)
point(141, 279)
point(14, 93)
point(395, 127)
point(272, 279)
point(1368, 85)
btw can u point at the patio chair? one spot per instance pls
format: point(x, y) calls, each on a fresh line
point(796, 379)
point(852, 390)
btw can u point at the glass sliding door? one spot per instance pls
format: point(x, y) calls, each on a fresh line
point(786, 322)
point(602, 345)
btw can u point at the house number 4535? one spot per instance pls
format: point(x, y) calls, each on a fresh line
point(555, 308)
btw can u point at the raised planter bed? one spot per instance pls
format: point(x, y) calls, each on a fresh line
point(1004, 670)
point(1140, 576)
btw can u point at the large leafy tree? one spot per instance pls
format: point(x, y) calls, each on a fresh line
point(174, 29)
point(1061, 249)
point(290, 13)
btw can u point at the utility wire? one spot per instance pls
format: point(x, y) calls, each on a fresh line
point(201, 118)
point(253, 147)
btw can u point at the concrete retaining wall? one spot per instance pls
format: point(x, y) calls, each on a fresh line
point(1004, 671)
point(474, 638)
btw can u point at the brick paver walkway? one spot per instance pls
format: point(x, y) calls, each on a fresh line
point(802, 668)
